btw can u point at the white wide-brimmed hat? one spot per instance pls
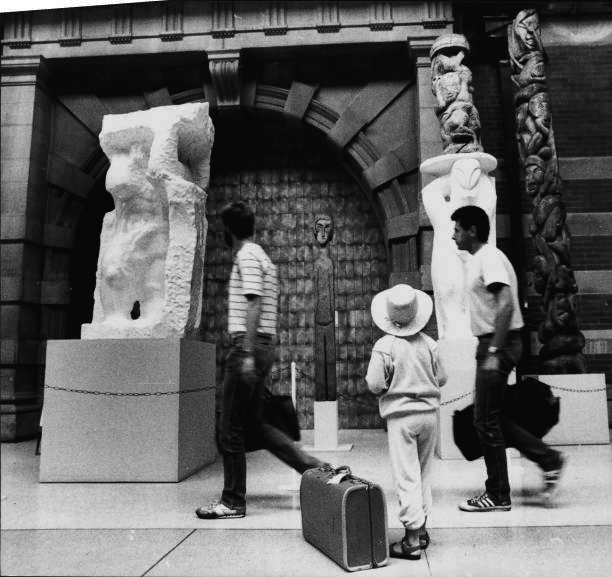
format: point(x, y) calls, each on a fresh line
point(401, 310)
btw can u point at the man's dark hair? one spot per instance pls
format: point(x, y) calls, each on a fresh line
point(238, 217)
point(471, 215)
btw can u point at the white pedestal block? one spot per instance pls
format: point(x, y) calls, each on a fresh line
point(128, 437)
point(458, 357)
point(326, 427)
point(583, 415)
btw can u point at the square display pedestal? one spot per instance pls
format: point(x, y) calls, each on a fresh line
point(326, 428)
point(127, 410)
point(583, 409)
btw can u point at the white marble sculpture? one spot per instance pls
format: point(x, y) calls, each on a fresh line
point(150, 268)
point(462, 179)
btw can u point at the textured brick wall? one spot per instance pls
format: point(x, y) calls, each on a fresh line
point(288, 184)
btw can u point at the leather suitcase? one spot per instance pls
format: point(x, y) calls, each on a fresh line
point(345, 517)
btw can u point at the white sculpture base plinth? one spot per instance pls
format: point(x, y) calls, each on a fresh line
point(583, 415)
point(129, 437)
point(326, 427)
point(457, 355)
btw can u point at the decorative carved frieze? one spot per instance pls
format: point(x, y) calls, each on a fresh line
point(381, 16)
point(224, 69)
point(223, 25)
point(71, 27)
point(121, 25)
point(172, 22)
point(435, 15)
point(329, 17)
point(18, 29)
point(553, 275)
point(276, 19)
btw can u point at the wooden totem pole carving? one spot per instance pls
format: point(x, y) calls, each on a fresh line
point(553, 276)
point(452, 88)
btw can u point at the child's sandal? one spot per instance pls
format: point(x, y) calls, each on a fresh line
point(401, 550)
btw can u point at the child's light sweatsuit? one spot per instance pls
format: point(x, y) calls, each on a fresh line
point(405, 372)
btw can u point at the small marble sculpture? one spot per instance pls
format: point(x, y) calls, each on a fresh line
point(150, 268)
point(325, 312)
point(553, 276)
point(452, 88)
point(463, 179)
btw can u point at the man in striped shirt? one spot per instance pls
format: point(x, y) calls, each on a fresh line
point(252, 316)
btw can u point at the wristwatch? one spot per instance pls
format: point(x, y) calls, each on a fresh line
point(492, 350)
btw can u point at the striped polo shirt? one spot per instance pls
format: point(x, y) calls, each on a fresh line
point(253, 273)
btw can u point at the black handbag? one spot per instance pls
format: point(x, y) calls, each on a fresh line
point(530, 404)
point(465, 435)
point(279, 412)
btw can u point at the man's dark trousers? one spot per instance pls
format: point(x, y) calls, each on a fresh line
point(242, 412)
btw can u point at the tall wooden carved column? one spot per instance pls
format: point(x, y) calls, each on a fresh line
point(553, 275)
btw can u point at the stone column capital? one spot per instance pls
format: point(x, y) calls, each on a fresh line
point(24, 70)
point(419, 48)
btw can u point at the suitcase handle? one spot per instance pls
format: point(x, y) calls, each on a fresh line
point(340, 473)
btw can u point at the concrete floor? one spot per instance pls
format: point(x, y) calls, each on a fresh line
point(150, 528)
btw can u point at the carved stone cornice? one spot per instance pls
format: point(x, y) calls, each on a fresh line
point(224, 67)
point(121, 25)
point(436, 14)
point(71, 32)
point(223, 20)
point(381, 16)
point(18, 30)
point(329, 17)
point(172, 22)
point(276, 19)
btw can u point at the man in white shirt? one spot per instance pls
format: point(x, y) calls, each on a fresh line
point(496, 321)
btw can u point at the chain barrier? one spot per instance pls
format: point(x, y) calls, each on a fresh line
point(451, 401)
point(569, 390)
point(122, 394)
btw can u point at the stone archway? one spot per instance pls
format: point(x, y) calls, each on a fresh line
point(289, 179)
point(382, 164)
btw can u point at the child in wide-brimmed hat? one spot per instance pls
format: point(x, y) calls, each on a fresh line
point(405, 372)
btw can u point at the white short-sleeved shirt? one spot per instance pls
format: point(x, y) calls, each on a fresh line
point(253, 273)
point(487, 266)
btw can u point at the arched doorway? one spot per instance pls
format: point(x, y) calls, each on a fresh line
point(288, 179)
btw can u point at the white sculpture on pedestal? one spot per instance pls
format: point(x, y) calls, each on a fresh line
point(462, 179)
point(150, 268)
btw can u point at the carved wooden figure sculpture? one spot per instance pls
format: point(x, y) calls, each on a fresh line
point(325, 312)
point(553, 276)
point(452, 87)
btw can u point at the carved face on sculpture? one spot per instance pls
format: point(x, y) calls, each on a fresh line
point(534, 174)
point(540, 108)
point(324, 229)
point(460, 127)
point(527, 30)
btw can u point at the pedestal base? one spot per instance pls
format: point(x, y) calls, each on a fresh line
point(130, 412)
point(326, 427)
point(458, 356)
point(583, 415)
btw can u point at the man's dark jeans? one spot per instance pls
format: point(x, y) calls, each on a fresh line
point(496, 432)
point(242, 413)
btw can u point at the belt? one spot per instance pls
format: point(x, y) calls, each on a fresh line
point(491, 335)
point(235, 337)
